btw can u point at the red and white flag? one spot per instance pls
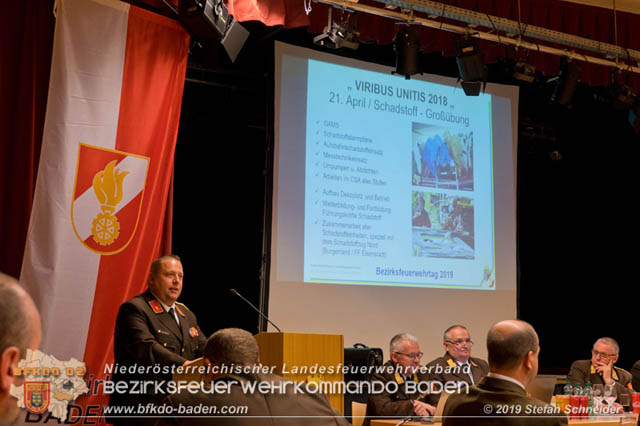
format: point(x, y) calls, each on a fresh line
point(115, 91)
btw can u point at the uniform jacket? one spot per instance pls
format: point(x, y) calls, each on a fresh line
point(503, 398)
point(582, 372)
point(146, 335)
point(262, 408)
point(446, 369)
point(635, 374)
point(397, 404)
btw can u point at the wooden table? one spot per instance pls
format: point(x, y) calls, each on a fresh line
point(598, 421)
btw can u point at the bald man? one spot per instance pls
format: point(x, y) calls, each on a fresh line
point(500, 397)
point(19, 330)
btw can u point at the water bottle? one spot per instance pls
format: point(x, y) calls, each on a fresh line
point(567, 389)
point(577, 390)
point(588, 391)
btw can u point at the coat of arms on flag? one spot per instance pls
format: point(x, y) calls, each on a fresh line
point(36, 397)
point(107, 197)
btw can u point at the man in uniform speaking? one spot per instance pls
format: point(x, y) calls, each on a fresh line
point(154, 333)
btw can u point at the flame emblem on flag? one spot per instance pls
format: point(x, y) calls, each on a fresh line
point(107, 184)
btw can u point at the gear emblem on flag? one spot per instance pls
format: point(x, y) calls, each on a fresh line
point(105, 229)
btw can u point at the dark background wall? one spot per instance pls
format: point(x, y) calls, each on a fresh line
point(576, 198)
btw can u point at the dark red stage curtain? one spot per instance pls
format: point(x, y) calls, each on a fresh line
point(25, 59)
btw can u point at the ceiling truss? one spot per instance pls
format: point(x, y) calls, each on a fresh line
point(610, 55)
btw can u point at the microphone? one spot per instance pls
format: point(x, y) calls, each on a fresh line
point(233, 292)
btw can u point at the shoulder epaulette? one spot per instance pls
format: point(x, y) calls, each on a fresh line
point(156, 307)
point(179, 310)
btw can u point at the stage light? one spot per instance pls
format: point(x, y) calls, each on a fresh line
point(524, 72)
point(338, 34)
point(623, 97)
point(567, 83)
point(634, 118)
point(471, 68)
point(407, 45)
point(209, 20)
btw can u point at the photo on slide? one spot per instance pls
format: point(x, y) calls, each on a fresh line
point(442, 157)
point(442, 225)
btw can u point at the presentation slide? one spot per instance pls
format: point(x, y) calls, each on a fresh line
point(393, 202)
point(398, 181)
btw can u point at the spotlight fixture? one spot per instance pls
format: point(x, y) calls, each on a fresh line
point(337, 35)
point(567, 83)
point(634, 118)
point(407, 46)
point(471, 68)
point(209, 20)
point(623, 97)
point(524, 72)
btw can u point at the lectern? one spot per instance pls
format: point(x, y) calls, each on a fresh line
point(306, 357)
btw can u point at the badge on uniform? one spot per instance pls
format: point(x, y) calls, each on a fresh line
point(193, 332)
point(157, 309)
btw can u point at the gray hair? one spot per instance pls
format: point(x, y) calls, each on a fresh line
point(15, 327)
point(396, 341)
point(508, 349)
point(232, 346)
point(446, 335)
point(611, 342)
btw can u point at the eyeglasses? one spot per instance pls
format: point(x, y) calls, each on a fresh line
point(602, 354)
point(411, 356)
point(460, 342)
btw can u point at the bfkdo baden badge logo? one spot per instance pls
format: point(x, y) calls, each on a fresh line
point(107, 197)
point(36, 396)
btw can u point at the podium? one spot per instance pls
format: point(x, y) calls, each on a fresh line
point(300, 357)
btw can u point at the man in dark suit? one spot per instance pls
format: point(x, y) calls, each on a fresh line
point(600, 368)
point(233, 363)
point(500, 397)
point(635, 374)
point(154, 330)
point(401, 371)
point(456, 365)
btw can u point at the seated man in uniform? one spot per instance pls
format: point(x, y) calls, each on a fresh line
point(500, 397)
point(600, 368)
point(235, 395)
point(457, 365)
point(402, 368)
point(635, 374)
point(153, 329)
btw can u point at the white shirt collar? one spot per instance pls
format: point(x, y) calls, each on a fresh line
point(507, 378)
point(167, 307)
